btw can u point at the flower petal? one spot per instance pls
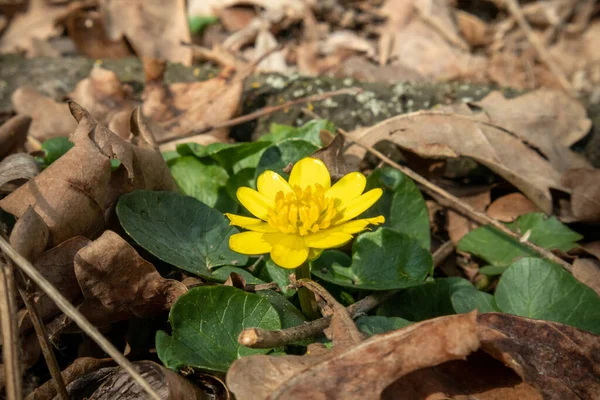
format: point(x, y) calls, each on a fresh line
point(310, 171)
point(252, 224)
point(289, 251)
point(256, 203)
point(359, 205)
point(313, 254)
point(327, 239)
point(251, 243)
point(348, 188)
point(358, 225)
point(269, 183)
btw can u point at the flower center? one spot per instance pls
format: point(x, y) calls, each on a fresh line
point(302, 211)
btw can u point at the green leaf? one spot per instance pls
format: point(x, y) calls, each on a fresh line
point(376, 324)
point(288, 313)
point(401, 204)
point(500, 249)
point(381, 260)
point(244, 177)
point(206, 322)
point(469, 299)
point(204, 180)
point(179, 230)
point(221, 274)
point(310, 132)
point(280, 276)
point(226, 154)
point(492, 270)
point(199, 23)
point(537, 288)
point(277, 157)
point(55, 148)
point(429, 300)
point(170, 155)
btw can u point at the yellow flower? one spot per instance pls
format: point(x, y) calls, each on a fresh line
point(297, 220)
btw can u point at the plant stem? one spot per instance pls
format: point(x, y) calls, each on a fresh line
point(308, 304)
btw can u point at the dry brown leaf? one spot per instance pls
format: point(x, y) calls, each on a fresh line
point(439, 14)
point(275, 61)
point(549, 120)
point(30, 235)
point(435, 134)
point(560, 361)
point(73, 194)
point(57, 266)
point(169, 385)
point(49, 118)
point(473, 29)
point(13, 135)
point(333, 157)
point(183, 107)
point(587, 270)
point(38, 22)
point(459, 226)
point(103, 95)
point(15, 170)
point(236, 18)
point(478, 377)
point(111, 272)
point(204, 139)
point(152, 29)
point(585, 193)
point(362, 371)
point(592, 248)
point(510, 207)
point(347, 41)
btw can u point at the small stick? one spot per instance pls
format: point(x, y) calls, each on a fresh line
point(71, 312)
point(257, 338)
point(40, 330)
point(10, 333)
point(264, 111)
point(453, 201)
point(515, 10)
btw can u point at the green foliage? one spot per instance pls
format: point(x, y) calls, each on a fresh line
point(55, 148)
point(199, 23)
point(205, 324)
point(469, 299)
point(381, 260)
point(179, 230)
point(278, 156)
point(310, 132)
point(500, 249)
point(402, 204)
point(376, 324)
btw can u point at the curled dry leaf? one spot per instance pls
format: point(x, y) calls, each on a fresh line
point(549, 120)
point(102, 95)
point(168, 384)
point(510, 207)
point(80, 367)
point(560, 361)
point(587, 270)
point(13, 134)
point(30, 235)
point(362, 371)
point(49, 118)
point(333, 157)
point(73, 194)
point(57, 266)
point(152, 29)
point(110, 272)
point(443, 134)
point(585, 193)
point(16, 169)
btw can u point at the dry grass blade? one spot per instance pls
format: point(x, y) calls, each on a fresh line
point(71, 312)
point(10, 331)
point(453, 201)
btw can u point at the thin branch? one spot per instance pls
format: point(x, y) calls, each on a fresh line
point(71, 312)
point(515, 10)
point(264, 111)
point(453, 201)
point(40, 330)
point(257, 338)
point(10, 332)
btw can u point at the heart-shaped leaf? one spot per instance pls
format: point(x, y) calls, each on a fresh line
point(310, 132)
point(226, 154)
point(381, 260)
point(500, 249)
point(537, 288)
point(179, 230)
point(402, 204)
point(277, 157)
point(469, 299)
point(376, 324)
point(206, 322)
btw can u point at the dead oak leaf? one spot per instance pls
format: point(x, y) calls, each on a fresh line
point(13, 135)
point(510, 207)
point(585, 193)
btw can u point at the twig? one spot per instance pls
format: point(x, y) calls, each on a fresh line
point(10, 332)
point(443, 252)
point(257, 338)
point(71, 312)
point(42, 335)
point(515, 10)
point(453, 201)
point(264, 111)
